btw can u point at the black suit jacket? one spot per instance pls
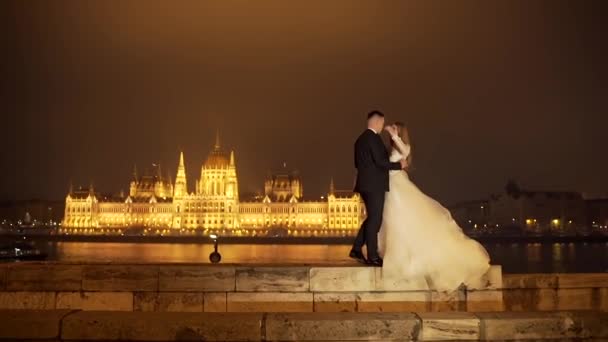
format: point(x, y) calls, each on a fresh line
point(372, 163)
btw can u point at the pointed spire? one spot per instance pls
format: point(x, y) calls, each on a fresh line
point(71, 189)
point(332, 188)
point(180, 188)
point(169, 180)
point(217, 139)
point(135, 172)
point(158, 171)
point(232, 158)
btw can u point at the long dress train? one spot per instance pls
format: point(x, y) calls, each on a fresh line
point(420, 241)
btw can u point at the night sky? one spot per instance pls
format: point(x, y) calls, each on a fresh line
point(490, 90)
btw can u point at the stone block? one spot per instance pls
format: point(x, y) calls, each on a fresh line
point(120, 278)
point(335, 302)
point(388, 283)
point(453, 301)
point(272, 279)
point(484, 301)
point(3, 275)
point(582, 280)
point(592, 325)
point(44, 277)
point(27, 300)
point(269, 302)
point(168, 301)
point(529, 299)
point(197, 278)
point(444, 326)
point(575, 299)
point(111, 301)
point(342, 279)
point(31, 324)
point(603, 293)
point(529, 281)
point(492, 280)
point(161, 326)
point(215, 302)
point(419, 301)
point(341, 327)
point(535, 325)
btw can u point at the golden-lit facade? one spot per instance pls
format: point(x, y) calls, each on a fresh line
point(160, 205)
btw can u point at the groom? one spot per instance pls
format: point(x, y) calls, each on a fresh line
point(372, 163)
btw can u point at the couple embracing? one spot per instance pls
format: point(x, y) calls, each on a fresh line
point(407, 233)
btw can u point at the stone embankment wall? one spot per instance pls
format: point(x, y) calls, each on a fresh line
point(234, 288)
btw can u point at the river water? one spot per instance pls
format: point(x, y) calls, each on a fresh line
point(514, 257)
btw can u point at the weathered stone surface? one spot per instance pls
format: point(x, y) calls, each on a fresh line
point(30, 324)
point(528, 325)
point(335, 302)
point(120, 278)
point(443, 326)
point(161, 326)
point(589, 324)
point(3, 275)
point(197, 278)
point(272, 279)
point(529, 281)
point(168, 301)
point(341, 327)
point(528, 299)
point(342, 279)
point(454, 301)
point(490, 281)
point(111, 301)
point(389, 283)
point(44, 277)
point(582, 280)
point(215, 302)
point(603, 292)
point(27, 300)
point(575, 299)
point(484, 301)
point(269, 302)
point(419, 301)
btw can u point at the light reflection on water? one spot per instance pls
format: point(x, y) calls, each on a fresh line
point(514, 257)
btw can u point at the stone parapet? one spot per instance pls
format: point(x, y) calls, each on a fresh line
point(66, 325)
point(246, 288)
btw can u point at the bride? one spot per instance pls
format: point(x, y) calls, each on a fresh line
point(419, 239)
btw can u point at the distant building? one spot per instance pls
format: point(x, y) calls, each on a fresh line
point(158, 203)
point(528, 211)
point(597, 213)
point(537, 211)
point(471, 215)
point(39, 211)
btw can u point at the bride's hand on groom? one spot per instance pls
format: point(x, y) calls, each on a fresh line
point(391, 130)
point(403, 164)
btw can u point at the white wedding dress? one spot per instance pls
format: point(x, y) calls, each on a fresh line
point(419, 240)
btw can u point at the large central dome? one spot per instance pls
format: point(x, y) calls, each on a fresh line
point(217, 158)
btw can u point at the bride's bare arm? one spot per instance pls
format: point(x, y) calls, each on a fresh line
point(402, 147)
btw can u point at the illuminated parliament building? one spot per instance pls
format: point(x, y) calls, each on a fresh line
point(160, 205)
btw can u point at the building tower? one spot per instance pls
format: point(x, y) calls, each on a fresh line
point(181, 186)
point(218, 188)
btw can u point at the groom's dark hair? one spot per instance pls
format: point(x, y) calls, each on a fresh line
point(375, 113)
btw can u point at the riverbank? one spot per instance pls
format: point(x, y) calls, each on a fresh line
point(281, 240)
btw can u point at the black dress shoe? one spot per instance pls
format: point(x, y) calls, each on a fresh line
point(376, 262)
point(357, 255)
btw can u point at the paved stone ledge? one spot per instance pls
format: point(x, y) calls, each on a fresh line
point(66, 325)
point(237, 288)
